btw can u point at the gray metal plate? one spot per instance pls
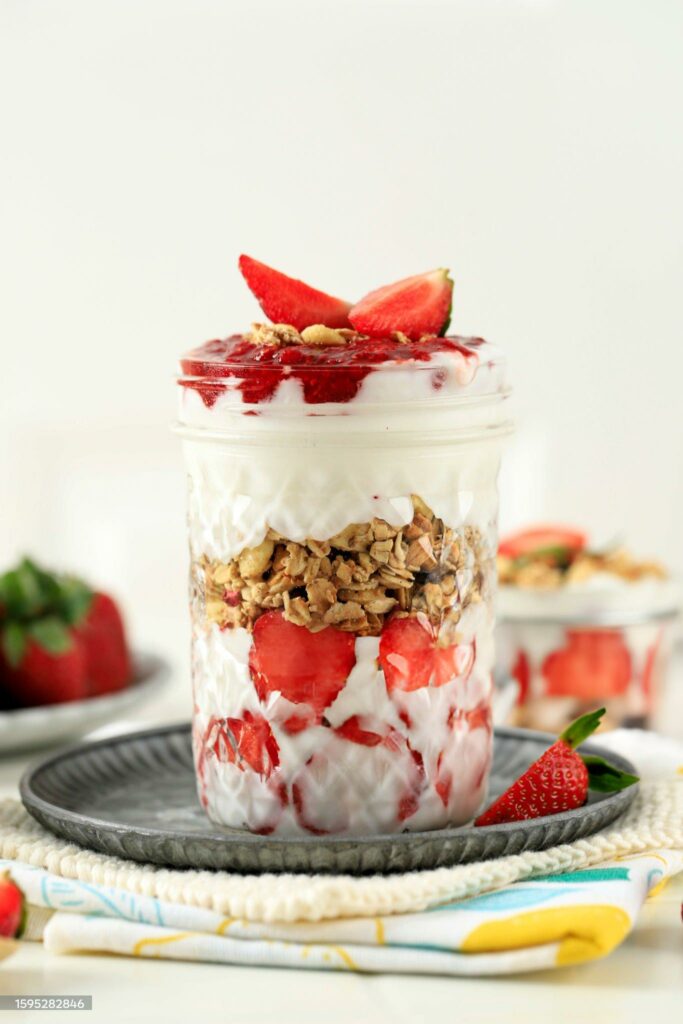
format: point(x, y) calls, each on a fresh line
point(134, 796)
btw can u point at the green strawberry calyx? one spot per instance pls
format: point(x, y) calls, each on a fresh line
point(559, 555)
point(447, 322)
point(603, 777)
point(40, 606)
point(580, 729)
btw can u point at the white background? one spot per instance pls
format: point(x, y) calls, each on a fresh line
point(534, 146)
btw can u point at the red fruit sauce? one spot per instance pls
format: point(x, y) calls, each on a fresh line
point(331, 373)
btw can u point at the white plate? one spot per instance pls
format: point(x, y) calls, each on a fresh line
point(28, 728)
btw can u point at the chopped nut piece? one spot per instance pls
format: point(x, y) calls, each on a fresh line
point(420, 555)
point(296, 610)
point(274, 334)
point(318, 334)
point(349, 616)
point(254, 561)
point(319, 548)
point(382, 530)
point(296, 560)
point(321, 595)
point(381, 550)
point(420, 506)
point(223, 574)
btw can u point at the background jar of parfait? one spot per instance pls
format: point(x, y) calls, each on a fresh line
point(553, 664)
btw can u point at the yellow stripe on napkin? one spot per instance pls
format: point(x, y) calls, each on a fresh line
point(583, 932)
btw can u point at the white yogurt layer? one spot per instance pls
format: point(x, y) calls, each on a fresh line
point(310, 470)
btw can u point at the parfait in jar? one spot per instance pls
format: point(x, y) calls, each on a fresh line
point(342, 472)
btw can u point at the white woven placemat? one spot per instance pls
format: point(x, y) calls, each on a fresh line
point(655, 820)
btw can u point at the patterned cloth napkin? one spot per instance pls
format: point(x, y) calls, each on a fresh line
point(547, 921)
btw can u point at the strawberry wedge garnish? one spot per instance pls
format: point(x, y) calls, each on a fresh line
point(285, 300)
point(559, 780)
point(414, 306)
point(557, 544)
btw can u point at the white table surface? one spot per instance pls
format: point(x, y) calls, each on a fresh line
point(641, 981)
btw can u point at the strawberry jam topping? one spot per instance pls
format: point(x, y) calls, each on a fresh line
point(331, 373)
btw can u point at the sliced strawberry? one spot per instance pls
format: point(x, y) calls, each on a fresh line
point(543, 540)
point(415, 306)
point(11, 908)
point(103, 635)
point(649, 670)
point(521, 671)
point(411, 658)
point(240, 757)
point(285, 300)
point(247, 742)
point(558, 780)
point(306, 668)
point(43, 677)
point(370, 732)
point(594, 665)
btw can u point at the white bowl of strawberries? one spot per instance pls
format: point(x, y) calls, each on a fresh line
point(65, 663)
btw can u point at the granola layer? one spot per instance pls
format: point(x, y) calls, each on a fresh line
point(353, 580)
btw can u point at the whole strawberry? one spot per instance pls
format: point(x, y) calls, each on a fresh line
point(11, 908)
point(103, 637)
point(559, 780)
point(59, 641)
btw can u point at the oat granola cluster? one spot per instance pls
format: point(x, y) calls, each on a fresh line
point(542, 573)
point(281, 335)
point(353, 580)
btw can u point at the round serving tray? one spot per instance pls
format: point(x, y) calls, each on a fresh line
point(134, 796)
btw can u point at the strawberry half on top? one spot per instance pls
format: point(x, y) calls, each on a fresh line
point(285, 300)
point(559, 780)
point(415, 306)
point(59, 640)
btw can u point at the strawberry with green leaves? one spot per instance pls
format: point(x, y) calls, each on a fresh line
point(59, 640)
point(559, 780)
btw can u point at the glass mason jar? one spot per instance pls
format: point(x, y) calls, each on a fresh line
point(571, 651)
point(342, 525)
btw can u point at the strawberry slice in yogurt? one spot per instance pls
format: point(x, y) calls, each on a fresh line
point(411, 656)
point(237, 762)
point(298, 674)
